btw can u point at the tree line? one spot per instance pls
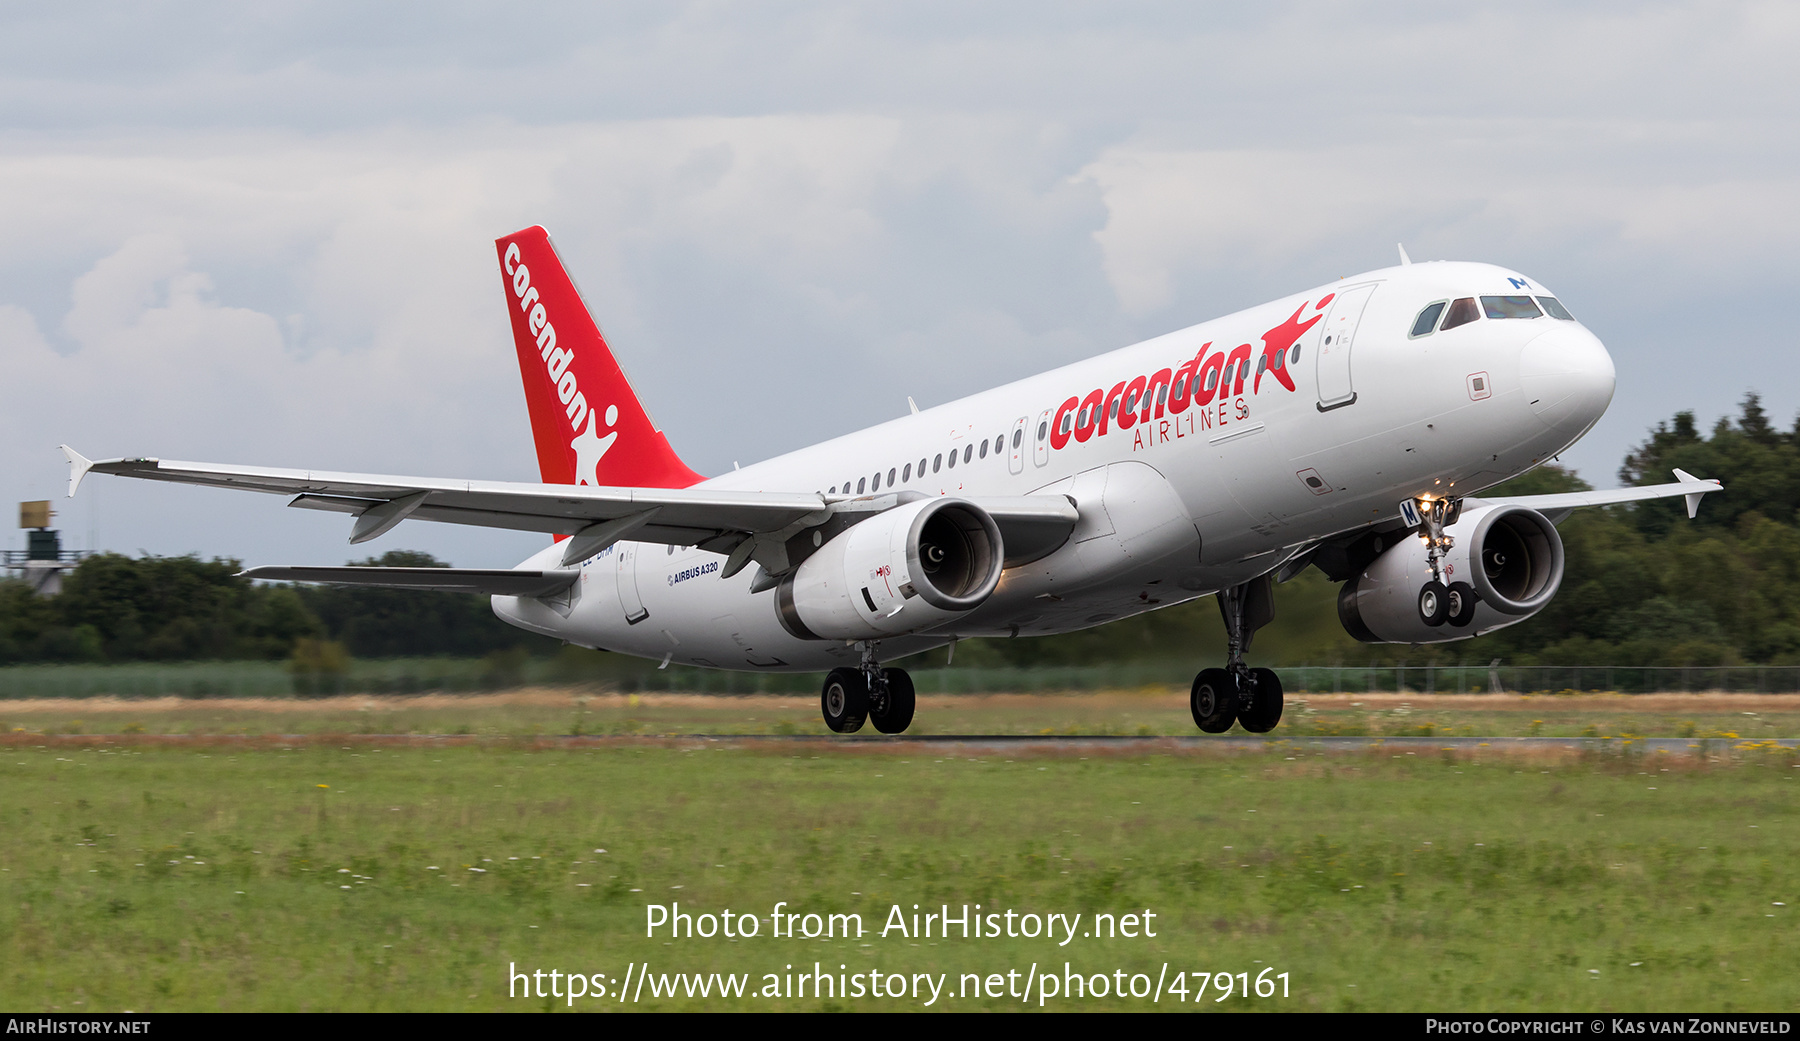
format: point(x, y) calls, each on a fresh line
point(1644, 586)
point(115, 608)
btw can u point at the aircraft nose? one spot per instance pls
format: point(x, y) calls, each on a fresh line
point(1568, 379)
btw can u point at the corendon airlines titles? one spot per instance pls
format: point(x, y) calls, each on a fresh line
point(1155, 404)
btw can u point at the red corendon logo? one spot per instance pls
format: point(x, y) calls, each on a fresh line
point(589, 447)
point(1195, 384)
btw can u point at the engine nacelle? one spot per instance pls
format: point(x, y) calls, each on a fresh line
point(906, 570)
point(1510, 557)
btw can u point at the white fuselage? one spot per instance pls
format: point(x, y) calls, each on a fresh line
point(1174, 504)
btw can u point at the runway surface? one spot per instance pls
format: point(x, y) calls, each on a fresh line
point(1400, 745)
point(984, 743)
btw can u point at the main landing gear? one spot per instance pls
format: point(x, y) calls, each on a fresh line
point(882, 696)
point(1251, 698)
point(1439, 603)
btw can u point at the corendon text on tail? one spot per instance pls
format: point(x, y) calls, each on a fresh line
point(1351, 428)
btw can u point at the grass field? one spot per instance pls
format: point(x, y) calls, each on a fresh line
point(1154, 711)
point(324, 874)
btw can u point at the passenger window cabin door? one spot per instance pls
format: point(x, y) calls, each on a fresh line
point(1336, 388)
point(1015, 459)
point(1041, 457)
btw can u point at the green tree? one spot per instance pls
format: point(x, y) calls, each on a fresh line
point(387, 623)
point(1759, 466)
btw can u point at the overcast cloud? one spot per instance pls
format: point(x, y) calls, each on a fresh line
point(267, 236)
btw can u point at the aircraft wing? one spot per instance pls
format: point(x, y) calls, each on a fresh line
point(443, 579)
point(1686, 484)
point(748, 525)
point(675, 516)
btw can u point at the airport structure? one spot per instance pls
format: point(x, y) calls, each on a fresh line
point(43, 560)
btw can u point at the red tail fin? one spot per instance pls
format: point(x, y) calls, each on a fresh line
point(589, 426)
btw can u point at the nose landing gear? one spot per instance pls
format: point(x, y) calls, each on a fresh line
point(882, 696)
point(1434, 603)
point(1439, 603)
point(1460, 597)
point(1251, 698)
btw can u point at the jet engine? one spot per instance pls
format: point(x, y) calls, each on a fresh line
point(1505, 565)
point(905, 570)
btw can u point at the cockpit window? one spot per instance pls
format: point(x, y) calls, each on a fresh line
point(1427, 320)
point(1510, 307)
point(1555, 309)
point(1462, 312)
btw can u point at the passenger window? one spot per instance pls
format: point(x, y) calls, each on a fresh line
point(999, 443)
point(906, 474)
point(1018, 438)
point(937, 462)
point(892, 473)
point(1555, 308)
point(1294, 355)
point(921, 469)
point(1179, 385)
point(1113, 415)
point(984, 448)
point(968, 452)
point(875, 486)
point(1162, 394)
point(1262, 364)
point(861, 482)
point(1427, 320)
point(1068, 422)
point(1043, 429)
point(1462, 312)
point(1212, 378)
point(952, 463)
point(1510, 307)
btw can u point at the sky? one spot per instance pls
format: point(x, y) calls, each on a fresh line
point(264, 233)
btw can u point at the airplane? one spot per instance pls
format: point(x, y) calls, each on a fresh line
point(1350, 428)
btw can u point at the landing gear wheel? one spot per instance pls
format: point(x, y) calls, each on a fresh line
point(845, 700)
point(1434, 603)
point(895, 715)
point(1214, 701)
point(1461, 604)
point(1264, 708)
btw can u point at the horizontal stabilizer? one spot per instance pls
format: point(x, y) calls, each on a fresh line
point(444, 579)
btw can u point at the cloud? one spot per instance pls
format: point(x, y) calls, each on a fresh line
point(332, 301)
point(266, 237)
point(1181, 216)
